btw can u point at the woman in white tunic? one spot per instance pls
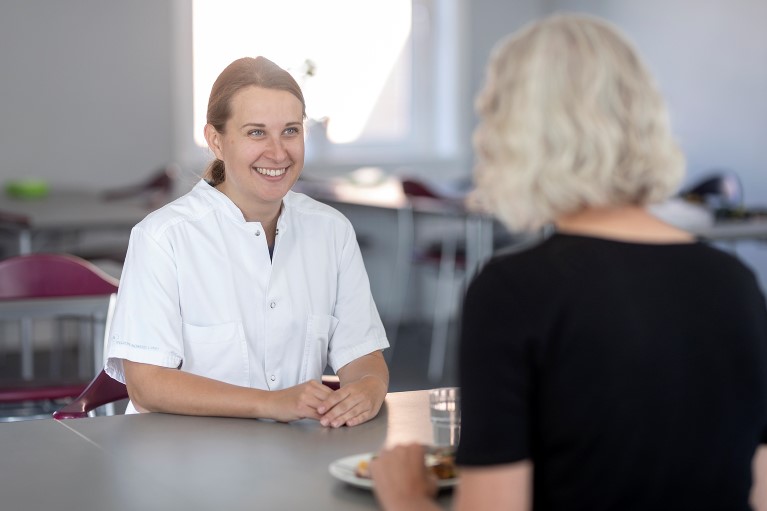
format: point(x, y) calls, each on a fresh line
point(235, 297)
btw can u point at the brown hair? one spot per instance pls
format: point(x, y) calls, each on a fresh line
point(244, 72)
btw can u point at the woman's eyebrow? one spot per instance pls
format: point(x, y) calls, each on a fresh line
point(262, 125)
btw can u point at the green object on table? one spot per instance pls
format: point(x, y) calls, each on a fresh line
point(26, 188)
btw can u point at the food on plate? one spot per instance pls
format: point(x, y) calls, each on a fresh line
point(441, 462)
point(363, 468)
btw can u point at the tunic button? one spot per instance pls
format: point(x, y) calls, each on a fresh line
point(273, 305)
point(258, 233)
point(272, 377)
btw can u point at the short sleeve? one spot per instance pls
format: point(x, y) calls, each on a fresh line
point(359, 330)
point(146, 326)
point(495, 373)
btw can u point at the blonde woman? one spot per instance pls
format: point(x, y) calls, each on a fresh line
point(621, 363)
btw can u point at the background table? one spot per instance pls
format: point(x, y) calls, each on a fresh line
point(169, 462)
point(735, 230)
point(69, 213)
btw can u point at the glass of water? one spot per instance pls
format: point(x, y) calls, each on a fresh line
point(445, 411)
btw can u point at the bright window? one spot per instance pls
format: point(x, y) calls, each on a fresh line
point(365, 67)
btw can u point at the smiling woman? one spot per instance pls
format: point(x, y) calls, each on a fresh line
point(256, 134)
point(235, 297)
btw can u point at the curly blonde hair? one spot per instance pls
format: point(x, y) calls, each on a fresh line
point(570, 118)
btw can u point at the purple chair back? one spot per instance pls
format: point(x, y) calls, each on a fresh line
point(413, 188)
point(52, 275)
point(101, 391)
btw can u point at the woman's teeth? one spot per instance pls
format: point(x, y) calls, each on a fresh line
point(271, 172)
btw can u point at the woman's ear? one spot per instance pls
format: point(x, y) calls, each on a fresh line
point(213, 138)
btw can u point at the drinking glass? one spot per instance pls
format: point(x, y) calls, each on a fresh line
point(445, 411)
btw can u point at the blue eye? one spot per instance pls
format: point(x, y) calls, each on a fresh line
point(291, 131)
point(255, 133)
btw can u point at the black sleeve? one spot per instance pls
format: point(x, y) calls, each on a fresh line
point(495, 372)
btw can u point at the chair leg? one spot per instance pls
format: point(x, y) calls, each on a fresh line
point(84, 357)
point(479, 243)
point(3, 343)
point(57, 348)
point(442, 310)
point(402, 270)
point(27, 350)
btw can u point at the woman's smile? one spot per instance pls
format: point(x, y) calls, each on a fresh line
point(272, 172)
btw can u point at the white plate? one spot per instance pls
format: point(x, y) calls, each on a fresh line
point(345, 468)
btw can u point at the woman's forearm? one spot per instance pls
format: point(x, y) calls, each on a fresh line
point(160, 389)
point(371, 365)
point(759, 490)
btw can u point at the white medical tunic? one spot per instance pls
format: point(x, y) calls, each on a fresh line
point(199, 292)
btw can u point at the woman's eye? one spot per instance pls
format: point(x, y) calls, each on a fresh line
point(255, 133)
point(291, 131)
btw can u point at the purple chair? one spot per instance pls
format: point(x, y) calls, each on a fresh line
point(35, 276)
point(157, 188)
point(53, 286)
point(103, 390)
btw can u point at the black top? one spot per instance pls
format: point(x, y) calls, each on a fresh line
point(634, 376)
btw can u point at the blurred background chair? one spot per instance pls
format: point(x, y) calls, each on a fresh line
point(446, 253)
point(720, 191)
point(456, 249)
point(101, 392)
point(156, 189)
point(51, 290)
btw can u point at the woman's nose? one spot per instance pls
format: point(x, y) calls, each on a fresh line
point(275, 149)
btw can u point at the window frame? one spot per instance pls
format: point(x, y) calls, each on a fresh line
point(435, 113)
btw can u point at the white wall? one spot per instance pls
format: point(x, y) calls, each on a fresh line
point(488, 21)
point(85, 93)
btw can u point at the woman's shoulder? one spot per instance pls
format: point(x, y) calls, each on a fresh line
point(522, 253)
point(190, 206)
point(522, 263)
point(306, 207)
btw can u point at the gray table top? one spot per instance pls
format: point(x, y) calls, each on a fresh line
point(55, 306)
point(160, 461)
point(735, 230)
point(69, 209)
